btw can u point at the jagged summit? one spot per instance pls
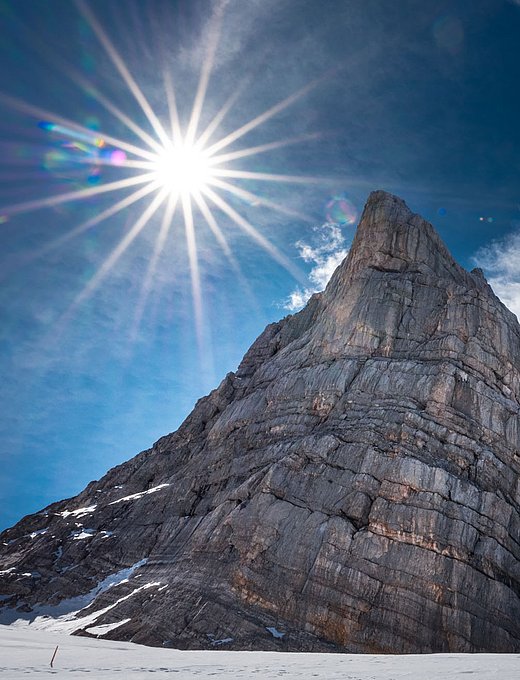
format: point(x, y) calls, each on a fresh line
point(353, 486)
point(390, 237)
point(393, 238)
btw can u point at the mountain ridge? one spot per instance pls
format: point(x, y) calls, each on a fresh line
point(352, 486)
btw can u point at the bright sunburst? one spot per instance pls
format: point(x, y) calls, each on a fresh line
point(182, 169)
point(175, 169)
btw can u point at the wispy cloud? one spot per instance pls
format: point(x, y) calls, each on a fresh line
point(501, 260)
point(326, 252)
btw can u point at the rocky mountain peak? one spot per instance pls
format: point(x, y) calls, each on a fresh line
point(391, 238)
point(354, 486)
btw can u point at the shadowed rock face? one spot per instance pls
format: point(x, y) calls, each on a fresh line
point(354, 485)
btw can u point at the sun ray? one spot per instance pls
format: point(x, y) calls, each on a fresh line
point(89, 88)
point(262, 148)
point(194, 271)
point(92, 91)
point(219, 235)
point(270, 177)
point(263, 117)
point(172, 108)
point(123, 70)
point(78, 141)
point(252, 198)
point(37, 112)
point(152, 265)
point(249, 229)
point(139, 165)
point(79, 194)
point(219, 117)
point(101, 217)
point(59, 199)
point(205, 73)
point(77, 231)
point(215, 229)
point(114, 256)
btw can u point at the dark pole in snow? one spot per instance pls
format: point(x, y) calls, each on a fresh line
point(52, 660)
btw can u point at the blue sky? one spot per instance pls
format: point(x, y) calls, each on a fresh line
point(417, 98)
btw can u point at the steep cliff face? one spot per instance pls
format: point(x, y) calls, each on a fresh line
point(353, 486)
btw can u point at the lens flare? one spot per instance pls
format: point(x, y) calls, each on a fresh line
point(341, 211)
point(117, 157)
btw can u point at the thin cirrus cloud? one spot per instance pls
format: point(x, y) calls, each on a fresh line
point(326, 252)
point(501, 260)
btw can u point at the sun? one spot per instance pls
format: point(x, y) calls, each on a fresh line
point(182, 169)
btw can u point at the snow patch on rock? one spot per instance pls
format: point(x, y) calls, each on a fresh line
point(105, 628)
point(135, 496)
point(79, 512)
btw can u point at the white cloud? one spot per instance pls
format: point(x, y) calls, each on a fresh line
point(326, 252)
point(501, 260)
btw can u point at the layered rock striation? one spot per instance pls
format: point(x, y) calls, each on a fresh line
point(353, 486)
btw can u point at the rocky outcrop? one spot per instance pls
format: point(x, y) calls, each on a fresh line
point(353, 486)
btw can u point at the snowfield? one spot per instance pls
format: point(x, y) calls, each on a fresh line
point(25, 653)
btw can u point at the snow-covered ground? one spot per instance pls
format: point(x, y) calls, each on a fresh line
point(25, 652)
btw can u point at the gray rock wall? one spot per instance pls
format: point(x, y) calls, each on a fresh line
point(354, 485)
